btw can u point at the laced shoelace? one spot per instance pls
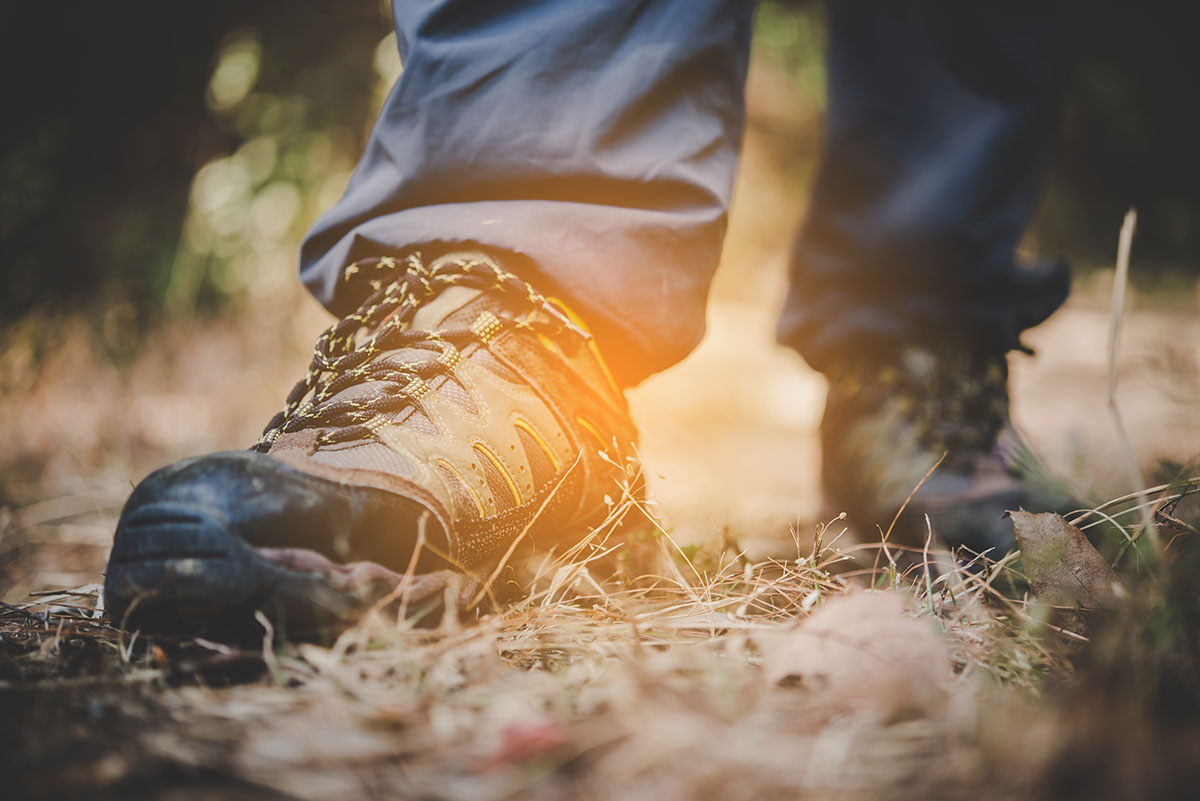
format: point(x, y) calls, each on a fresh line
point(347, 354)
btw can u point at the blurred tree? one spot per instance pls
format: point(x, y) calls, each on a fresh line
point(112, 108)
point(1131, 136)
point(1130, 130)
point(233, 121)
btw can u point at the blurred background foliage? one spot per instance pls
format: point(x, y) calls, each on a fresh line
point(164, 158)
point(161, 159)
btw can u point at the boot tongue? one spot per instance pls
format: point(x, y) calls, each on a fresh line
point(433, 315)
point(460, 306)
point(455, 307)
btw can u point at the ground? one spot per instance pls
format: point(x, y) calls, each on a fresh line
point(730, 679)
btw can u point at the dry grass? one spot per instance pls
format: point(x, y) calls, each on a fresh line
point(647, 685)
point(639, 671)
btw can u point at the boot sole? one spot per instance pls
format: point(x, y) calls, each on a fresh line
point(176, 568)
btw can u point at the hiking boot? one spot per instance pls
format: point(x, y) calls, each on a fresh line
point(887, 425)
point(455, 418)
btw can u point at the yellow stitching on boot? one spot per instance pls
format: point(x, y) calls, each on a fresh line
point(450, 357)
point(591, 341)
point(486, 326)
point(442, 463)
point(591, 428)
point(508, 479)
point(524, 425)
point(416, 389)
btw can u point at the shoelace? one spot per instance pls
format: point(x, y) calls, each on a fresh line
point(347, 353)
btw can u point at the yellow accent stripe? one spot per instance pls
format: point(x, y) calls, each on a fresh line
point(591, 427)
point(491, 457)
point(591, 342)
point(529, 429)
point(442, 463)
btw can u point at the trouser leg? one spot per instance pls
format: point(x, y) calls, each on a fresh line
point(593, 143)
point(940, 124)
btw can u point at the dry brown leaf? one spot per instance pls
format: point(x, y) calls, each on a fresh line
point(1062, 566)
point(862, 656)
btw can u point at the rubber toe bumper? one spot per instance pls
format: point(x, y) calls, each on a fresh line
point(184, 559)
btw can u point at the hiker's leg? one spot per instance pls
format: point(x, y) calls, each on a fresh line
point(597, 142)
point(905, 292)
point(941, 121)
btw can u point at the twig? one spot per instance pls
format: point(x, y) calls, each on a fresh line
point(23, 611)
point(490, 580)
point(1120, 281)
point(1077, 521)
point(915, 490)
point(268, 649)
point(900, 511)
point(925, 565)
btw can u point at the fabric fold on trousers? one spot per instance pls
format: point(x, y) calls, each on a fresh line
point(592, 144)
point(941, 122)
point(593, 147)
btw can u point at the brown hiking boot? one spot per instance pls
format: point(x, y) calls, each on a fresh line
point(457, 416)
point(887, 425)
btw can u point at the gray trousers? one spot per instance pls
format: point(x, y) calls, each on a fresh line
point(594, 146)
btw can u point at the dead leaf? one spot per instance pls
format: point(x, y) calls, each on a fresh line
point(1062, 566)
point(862, 656)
